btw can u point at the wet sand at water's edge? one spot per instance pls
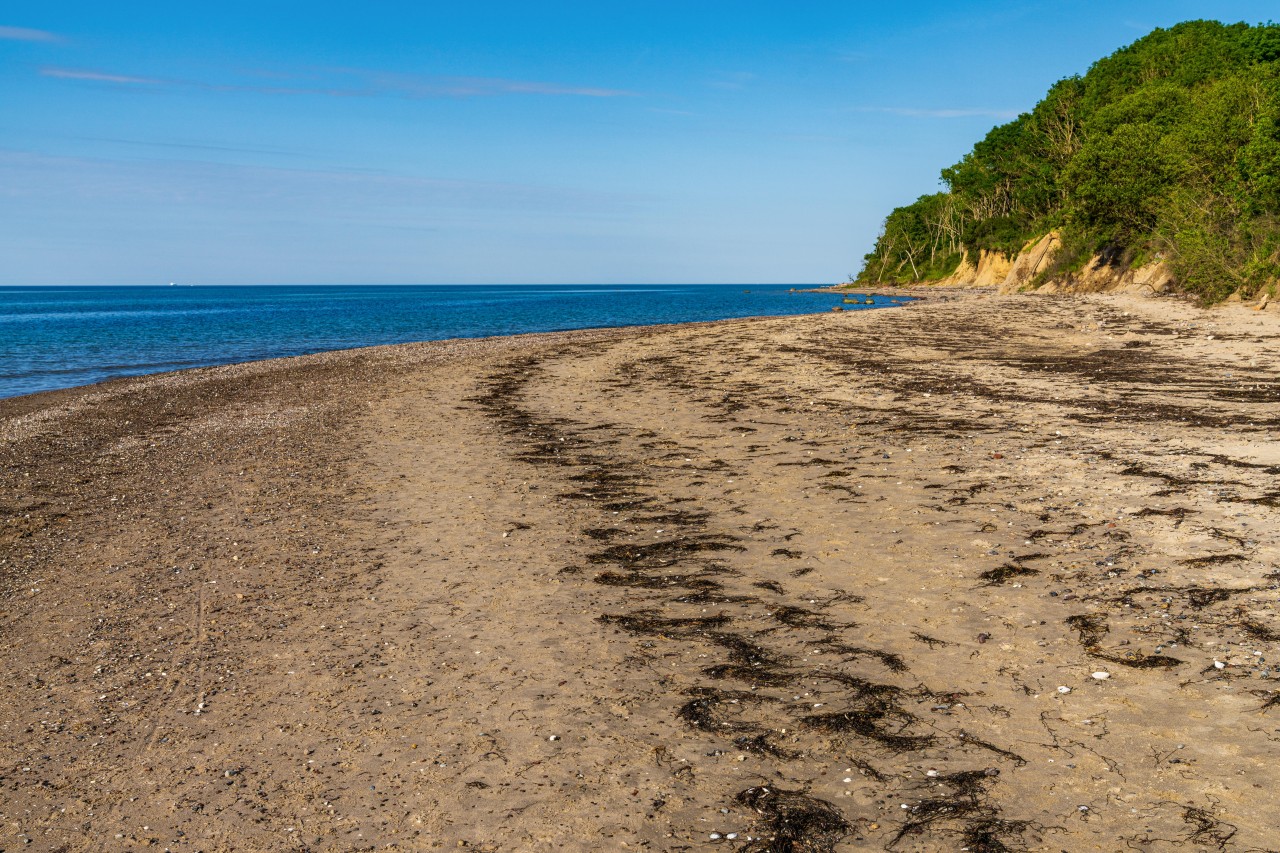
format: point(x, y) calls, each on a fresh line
point(839, 582)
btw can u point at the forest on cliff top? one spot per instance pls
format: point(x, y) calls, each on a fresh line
point(1167, 149)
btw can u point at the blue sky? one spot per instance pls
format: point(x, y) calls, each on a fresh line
point(424, 142)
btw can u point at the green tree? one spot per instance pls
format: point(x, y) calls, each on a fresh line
point(1171, 144)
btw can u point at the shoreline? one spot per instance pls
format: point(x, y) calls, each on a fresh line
point(238, 367)
point(656, 585)
point(297, 334)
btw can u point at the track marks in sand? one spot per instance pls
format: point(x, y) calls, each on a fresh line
point(784, 683)
point(747, 643)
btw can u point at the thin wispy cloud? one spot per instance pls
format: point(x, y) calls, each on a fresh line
point(353, 83)
point(27, 34)
point(129, 80)
point(212, 184)
point(192, 146)
point(917, 112)
point(99, 77)
point(465, 87)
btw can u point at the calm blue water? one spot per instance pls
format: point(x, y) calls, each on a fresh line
point(58, 337)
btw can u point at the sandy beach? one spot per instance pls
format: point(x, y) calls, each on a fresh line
point(983, 573)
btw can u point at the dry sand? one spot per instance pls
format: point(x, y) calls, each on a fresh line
point(838, 582)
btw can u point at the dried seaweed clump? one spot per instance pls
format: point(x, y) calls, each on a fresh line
point(708, 708)
point(997, 576)
point(1092, 629)
point(872, 720)
point(986, 835)
point(892, 661)
point(1207, 829)
point(1258, 631)
point(657, 555)
point(794, 822)
point(798, 617)
point(962, 800)
point(644, 623)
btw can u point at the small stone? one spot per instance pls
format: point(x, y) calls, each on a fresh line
point(715, 836)
point(1101, 675)
point(1064, 689)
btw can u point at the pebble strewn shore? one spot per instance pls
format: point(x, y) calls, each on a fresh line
point(988, 572)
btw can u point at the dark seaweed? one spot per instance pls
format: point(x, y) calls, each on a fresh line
point(793, 821)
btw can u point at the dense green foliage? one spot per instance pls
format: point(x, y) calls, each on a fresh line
point(1168, 148)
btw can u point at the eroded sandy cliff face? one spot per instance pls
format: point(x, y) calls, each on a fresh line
point(1099, 275)
point(1023, 273)
point(1030, 262)
point(992, 269)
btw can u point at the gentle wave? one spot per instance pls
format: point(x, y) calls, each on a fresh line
point(107, 315)
point(146, 367)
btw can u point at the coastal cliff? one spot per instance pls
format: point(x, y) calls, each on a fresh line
point(1026, 271)
point(1033, 270)
point(1158, 169)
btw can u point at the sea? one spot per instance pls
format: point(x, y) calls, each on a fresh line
point(62, 337)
